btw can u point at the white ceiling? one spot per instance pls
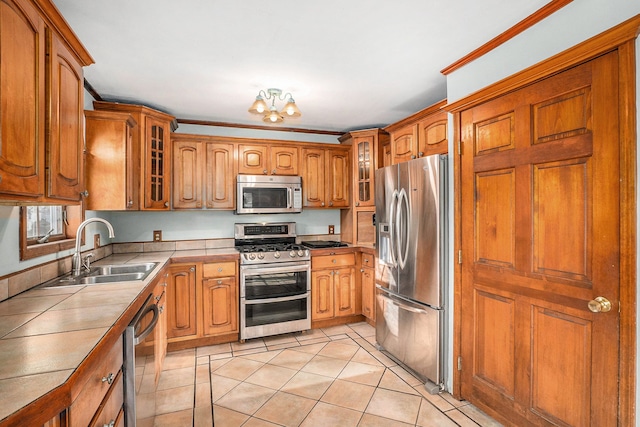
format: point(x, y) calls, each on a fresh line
point(349, 64)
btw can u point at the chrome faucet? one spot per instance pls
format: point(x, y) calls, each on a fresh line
point(76, 261)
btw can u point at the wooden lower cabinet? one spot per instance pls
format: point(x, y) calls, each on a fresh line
point(367, 285)
point(59, 420)
point(101, 397)
point(181, 301)
point(202, 303)
point(334, 291)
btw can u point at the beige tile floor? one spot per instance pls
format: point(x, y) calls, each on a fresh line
point(331, 377)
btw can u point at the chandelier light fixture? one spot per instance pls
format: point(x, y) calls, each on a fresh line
point(270, 113)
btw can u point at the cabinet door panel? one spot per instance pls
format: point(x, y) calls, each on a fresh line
point(313, 177)
point(181, 301)
point(187, 179)
point(404, 144)
point(65, 155)
point(339, 178)
point(322, 294)
point(284, 160)
point(220, 176)
point(345, 292)
point(22, 96)
point(252, 159)
point(157, 165)
point(220, 305)
point(367, 281)
point(432, 135)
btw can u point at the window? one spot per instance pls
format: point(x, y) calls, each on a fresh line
point(47, 229)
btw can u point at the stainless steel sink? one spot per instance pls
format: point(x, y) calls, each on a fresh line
point(110, 278)
point(106, 270)
point(113, 273)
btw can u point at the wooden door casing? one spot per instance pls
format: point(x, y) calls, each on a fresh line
point(540, 197)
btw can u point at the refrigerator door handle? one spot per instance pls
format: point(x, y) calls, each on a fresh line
point(392, 228)
point(403, 224)
point(399, 302)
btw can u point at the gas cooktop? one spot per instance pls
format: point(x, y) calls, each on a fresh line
point(317, 244)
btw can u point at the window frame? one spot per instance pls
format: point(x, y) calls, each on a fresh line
point(29, 250)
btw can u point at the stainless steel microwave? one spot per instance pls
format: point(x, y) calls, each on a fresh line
point(269, 194)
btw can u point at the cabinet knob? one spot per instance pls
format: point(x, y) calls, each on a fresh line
point(362, 270)
point(330, 203)
point(264, 171)
point(413, 156)
point(273, 172)
point(198, 205)
point(219, 269)
point(111, 424)
point(219, 282)
point(108, 379)
point(357, 203)
point(130, 202)
point(420, 154)
point(332, 273)
point(366, 260)
point(192, 269)
point(161, 309)
point(322, 204)
point(334, 260)
point(166, 204)
point(84, 193)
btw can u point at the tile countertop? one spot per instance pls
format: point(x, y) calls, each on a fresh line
point(45, 334)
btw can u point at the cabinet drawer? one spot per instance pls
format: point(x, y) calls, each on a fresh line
point(330, 261)
point(111, 409)
point(93, 392)
point(219, 269)
point(368, 260)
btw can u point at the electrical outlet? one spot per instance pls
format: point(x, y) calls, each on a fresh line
point(157, 235)
point(332, 229)
point(96, 241)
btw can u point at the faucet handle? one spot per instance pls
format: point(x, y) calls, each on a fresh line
point(86, 261)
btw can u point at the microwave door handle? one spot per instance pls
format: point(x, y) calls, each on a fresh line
point(289, 198)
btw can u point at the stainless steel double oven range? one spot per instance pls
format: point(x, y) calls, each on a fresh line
point(275, 280)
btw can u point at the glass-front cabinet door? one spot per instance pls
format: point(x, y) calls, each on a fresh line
point(365, 171)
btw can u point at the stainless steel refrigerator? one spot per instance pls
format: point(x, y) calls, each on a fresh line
point(411, 217)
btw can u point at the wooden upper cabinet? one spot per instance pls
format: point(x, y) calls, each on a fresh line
point(220, 176)
point(314, 183)
point(422, 134)
point(267, 159)
point(203, 173)
point(65, 157)
point(41, 87)
point(187, 177)
point(338, 181)
point(112, 161)
point(153, 138)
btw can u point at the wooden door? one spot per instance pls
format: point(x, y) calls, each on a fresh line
point(187, 174)
point(365, 149)
point(338, 178)
point(65, 154)
point(344, 282)
point(22, 93)
point(404, 144)
point(252, 159)
point(540, 197)
point(181, 301)
point(221, 176)
point(284, 160)
point(322, 297)
point(220, 305)
point(432, 135)
point(157, 165)
point(313, 178)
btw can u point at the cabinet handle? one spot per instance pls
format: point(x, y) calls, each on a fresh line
point(111, 424)
point(108, 379)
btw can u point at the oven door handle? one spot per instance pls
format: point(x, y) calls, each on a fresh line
point(279, 299)
point(260, 269)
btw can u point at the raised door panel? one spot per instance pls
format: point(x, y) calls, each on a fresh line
point(284, 160)
point(157, 165)
point(252, 159)
point(385, 154)
point(112, 178)
point(65, 157)
point(313, 177)
point(367, 283)
point(365, 229)
point(322, 295)
point(540, 230)
point(187, 174)
point(181, 301)
point(404, 144)
point(432, 136)
point(338, 179)
point(220, 306)
point(22, 97)
point(346, 302)
point(220, 184)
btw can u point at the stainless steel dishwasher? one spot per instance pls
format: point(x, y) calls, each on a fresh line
point(140, 327)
